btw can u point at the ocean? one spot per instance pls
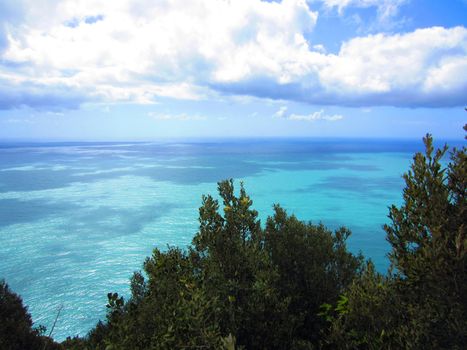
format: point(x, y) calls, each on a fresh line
point(76, 219)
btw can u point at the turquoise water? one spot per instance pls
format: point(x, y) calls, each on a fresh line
point(77, 219)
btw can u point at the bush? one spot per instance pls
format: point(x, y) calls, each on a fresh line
point(238, 285)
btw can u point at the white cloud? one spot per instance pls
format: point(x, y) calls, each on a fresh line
point(162, 48)
point(385, 8)
point(448, 75)
point(399, 69)
point(181, 117)
point(387, 16)
point(281, 112)
point(202, 48)
point(319, 48)
point(318, 115)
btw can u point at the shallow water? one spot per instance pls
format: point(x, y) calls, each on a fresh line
point(77, 219)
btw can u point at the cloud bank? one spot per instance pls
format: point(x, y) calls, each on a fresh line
point(318, 115)
point(58, 54)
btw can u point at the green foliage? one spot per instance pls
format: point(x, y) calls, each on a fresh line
point(76, 343)
point(170, 312)
point(238, 286)
point(366, 316)
point(16, 327)
point(421, 304)
point(314, 267)
point(234, 267)
point(429, 249)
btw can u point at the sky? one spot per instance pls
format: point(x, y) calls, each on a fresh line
point(99, 70)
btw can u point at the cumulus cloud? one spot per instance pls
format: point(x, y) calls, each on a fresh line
point(422, 68)
point(123, 52)
point(96, 50)
point(318, 115)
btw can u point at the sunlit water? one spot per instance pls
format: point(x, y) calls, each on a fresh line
point(77, 219)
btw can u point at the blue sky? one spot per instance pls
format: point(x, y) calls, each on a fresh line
point(146, 70)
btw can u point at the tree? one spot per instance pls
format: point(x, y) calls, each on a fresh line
point(366, 316)
point(272, 280)
point(421, 303)
point(429, 249)
point(168, 311)
point(16, 326)
point(238, 284)
point(236, 269)
point(314, 267)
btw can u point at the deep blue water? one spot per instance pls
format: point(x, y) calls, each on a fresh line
point(76, 219)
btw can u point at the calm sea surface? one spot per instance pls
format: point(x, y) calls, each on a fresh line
point(76, 219)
